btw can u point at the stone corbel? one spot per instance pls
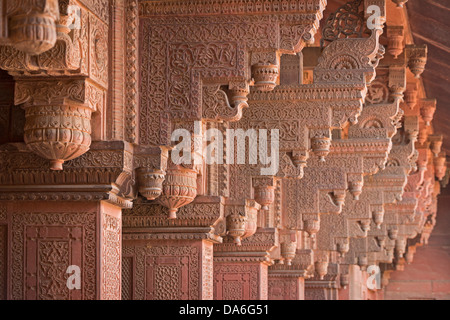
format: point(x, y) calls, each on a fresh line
point(377, 215)
point(151, 166)
point(436, 141)
point(322, 261)
point(321, 143)
point(264, 191)
point(417, 58)
point(411, 127)
point(311, 224)
point(179, 188)
point(32, 25)
point(64, 57)
point(411, 251)
point(395, 36)
point(302, 265)
point(397, 83)
point(411, 94)
point(58, 117)
point(241, 220)
point(265, 70)
point(427, 110)
point(440, 165)
point(288, 246)
point(355, 185)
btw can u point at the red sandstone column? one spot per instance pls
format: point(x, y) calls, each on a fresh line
point(286, 287)
point(240, 280)
point(46, 238)
point(167, 269)
point(241, 272)
point(170, 259)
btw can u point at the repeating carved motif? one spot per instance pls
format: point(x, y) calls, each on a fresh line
point(209, 48)
point(132, 88)
point(165, 272)
point(359, 159)
point(111, 255)
point(237, 282)
point(100, 8)
point(127, 278)
point(284, 288)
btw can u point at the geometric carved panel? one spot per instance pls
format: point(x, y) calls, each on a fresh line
point(240, 281)
point(285, 288)
point(127, 278)
point(44, 245)
point(165, 272)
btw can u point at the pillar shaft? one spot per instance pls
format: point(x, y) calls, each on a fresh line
point(49, 241)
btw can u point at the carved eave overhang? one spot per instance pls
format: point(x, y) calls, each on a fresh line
point(256, 248)
point(321, 191)
point(63, 59)
point(200, 220)
point(374, 152)
point(302, 265)
point(317, 108)
point(298, 20)
point(106, 171)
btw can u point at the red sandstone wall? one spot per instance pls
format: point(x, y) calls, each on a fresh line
point(428, 277)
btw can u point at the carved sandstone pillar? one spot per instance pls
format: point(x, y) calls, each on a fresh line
point(62, 250)
point(170, 259)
